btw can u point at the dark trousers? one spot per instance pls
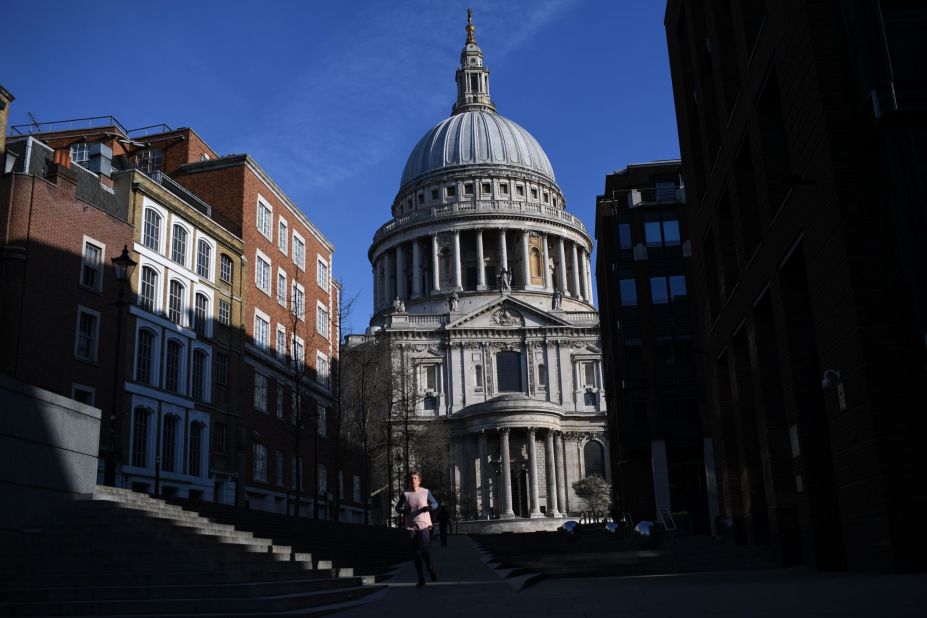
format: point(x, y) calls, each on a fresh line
point(420, 544)
point(443, 529)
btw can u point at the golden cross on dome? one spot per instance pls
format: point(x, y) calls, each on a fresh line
point(470, 28)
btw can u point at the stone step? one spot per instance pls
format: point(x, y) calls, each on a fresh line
point(48, 578)
point(185, 591)
point(189, 606)
point(65, 565)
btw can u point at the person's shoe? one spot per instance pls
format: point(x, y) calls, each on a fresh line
point(420, 583)
point(433, 574)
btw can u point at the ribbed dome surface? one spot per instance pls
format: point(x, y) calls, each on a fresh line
point(476, 138)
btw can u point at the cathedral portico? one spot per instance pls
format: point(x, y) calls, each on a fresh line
point(483, 292)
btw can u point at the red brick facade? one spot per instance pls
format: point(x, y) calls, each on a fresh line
point(230, 189)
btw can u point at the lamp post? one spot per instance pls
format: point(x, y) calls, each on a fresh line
point(123, 267)
point(398, 460)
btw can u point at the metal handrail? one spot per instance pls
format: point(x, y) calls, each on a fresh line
point(181, 191)
point(152, 129)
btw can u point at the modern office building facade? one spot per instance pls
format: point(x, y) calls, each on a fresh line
point(662, 457)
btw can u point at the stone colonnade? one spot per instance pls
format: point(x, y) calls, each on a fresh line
point(391, 274)
point(556, 473)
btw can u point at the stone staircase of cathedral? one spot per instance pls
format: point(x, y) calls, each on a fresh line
point(120, 553)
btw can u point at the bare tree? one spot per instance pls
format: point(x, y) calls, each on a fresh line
point(342, 315)
point(365, 371)
point(303, 337)
point(421, 435)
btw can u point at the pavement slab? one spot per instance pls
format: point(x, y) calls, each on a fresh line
point(468, 587)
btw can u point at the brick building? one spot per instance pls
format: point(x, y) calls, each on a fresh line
point(213, 236)
point(802, 135)
point(660, 449)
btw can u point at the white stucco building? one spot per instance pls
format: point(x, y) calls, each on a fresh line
point(482, 283)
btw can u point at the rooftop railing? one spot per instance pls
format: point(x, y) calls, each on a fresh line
point(85, 124)
point(73, 124)
point(181, 191)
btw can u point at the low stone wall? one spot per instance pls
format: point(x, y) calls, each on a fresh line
point(520, 524)
point(48, 452)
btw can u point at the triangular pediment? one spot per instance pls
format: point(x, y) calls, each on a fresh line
point(507, 312)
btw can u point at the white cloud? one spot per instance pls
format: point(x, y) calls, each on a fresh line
point(358, 101)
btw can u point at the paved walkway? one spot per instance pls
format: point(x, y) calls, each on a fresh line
point(468, 588)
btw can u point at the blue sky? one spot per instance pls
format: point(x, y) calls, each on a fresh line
point(331, 97)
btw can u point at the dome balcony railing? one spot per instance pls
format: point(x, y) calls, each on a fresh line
point(582, 316)
point(480, 207)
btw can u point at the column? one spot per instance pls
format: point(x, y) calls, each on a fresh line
point(503, 251)
point(416, 269)
point(387, 278)
point(563, 270)
point(484, 475)
point(547, 276)
point(576, 292)
point(435, 271)
point(661, 491)
point(376, 291)
point(552, 510)
point(480, 263)
point(525, 267)
point(584, 291)
point(589, 275)
point(533, 474)
point(457, 278)
point(561, 474)
point(400, 272)
point(507, 511)
point(711, 481)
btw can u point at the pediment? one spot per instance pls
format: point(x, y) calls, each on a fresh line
point(507, 313)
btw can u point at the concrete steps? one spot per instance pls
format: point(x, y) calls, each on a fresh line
point(383, 548)
point(115, 552)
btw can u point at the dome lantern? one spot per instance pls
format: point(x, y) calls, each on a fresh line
point(472, 77)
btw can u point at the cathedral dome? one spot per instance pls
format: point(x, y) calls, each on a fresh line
point(476, 137)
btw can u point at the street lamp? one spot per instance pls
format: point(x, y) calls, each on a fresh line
point(123, 267)
point(398, 460)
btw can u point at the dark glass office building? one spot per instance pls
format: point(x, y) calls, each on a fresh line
point(803, 132)
point(659, 446)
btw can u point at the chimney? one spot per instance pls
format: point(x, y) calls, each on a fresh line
point(101, 159)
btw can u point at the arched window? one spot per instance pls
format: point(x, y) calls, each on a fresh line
point(508, 370)
point(172, 366)
point(169, 443)
point(175, 303)
point(478, 377)
point(144, 356)
point(179, 245)
point(151, 232)
point(203, 258)
point(198, 375)
point(542, 375)
point(148, 289)
point(140, 437)
point(196, 449)
point(536, 271)
point(594, 458)
point(200, 314)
